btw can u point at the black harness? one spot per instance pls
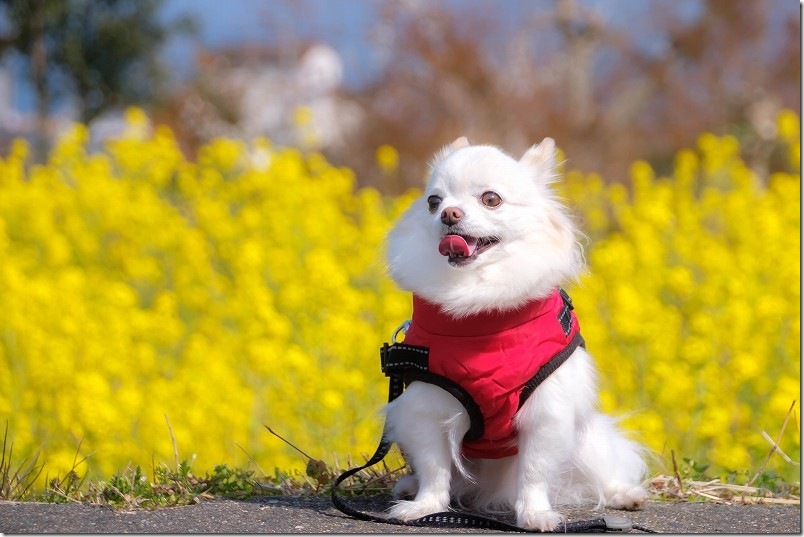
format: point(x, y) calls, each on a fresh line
point(404, 364)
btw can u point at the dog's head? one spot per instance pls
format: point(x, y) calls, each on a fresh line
point(488, 233)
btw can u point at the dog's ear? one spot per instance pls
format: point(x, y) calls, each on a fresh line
point(445, 151)
point(463, 141)
point(541, 157)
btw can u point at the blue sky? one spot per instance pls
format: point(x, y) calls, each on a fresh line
point(344, 24)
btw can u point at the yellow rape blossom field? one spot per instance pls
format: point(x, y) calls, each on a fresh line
point(247, 287)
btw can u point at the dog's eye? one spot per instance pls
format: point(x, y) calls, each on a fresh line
point(491, 199)
point(433, 202)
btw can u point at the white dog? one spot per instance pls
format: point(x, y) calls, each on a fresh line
point(484, 252)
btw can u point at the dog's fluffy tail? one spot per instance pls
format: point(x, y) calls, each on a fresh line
point(605, 461)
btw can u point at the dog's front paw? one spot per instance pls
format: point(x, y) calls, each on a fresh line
point(624, 496)
point(406, 488)
point(411, 510)
point(539, 520)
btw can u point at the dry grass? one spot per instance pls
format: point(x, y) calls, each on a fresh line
point(17, 481)
point(691, 484)
point(668, 487)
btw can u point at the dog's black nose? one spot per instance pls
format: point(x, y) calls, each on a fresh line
point(451, 215)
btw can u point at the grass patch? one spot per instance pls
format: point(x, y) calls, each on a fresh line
point(167, 486)
point(17, 481)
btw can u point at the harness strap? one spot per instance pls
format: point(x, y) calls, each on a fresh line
point(477, 425)
point(550, 367)
point(408, 363)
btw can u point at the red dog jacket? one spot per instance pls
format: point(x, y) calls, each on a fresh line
point(492, 362)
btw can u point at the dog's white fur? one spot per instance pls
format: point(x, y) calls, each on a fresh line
point(568, 451)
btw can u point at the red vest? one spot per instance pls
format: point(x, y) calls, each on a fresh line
point(493, 356)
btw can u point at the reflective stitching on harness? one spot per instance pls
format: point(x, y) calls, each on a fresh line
point(565, 319)
point(408, 364)
point(412, 348)
point(400, 357)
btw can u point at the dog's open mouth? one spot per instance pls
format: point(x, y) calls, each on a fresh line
point(463, 249)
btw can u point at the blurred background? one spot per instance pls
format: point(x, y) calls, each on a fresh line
point(410, 74)
point(194, 196)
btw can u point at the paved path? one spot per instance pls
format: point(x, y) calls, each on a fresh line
point(316, 515)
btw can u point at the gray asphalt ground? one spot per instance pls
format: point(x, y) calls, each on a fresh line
point(316, 515)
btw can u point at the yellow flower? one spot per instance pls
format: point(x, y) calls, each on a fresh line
point(387, 158)
point(248, 288)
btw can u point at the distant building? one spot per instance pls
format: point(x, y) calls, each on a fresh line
point(252, 90)
point(291, 95)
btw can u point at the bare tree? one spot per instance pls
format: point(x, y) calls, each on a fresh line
point(567, 71)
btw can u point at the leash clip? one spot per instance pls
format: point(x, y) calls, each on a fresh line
point(617, 523)
point(402, 328)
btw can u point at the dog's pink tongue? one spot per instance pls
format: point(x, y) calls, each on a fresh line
point(456, 246)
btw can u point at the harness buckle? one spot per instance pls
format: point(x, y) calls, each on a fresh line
point(402, 328)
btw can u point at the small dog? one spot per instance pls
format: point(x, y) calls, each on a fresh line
point(484, 251)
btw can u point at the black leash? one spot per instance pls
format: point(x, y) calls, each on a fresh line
point(453, 519)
